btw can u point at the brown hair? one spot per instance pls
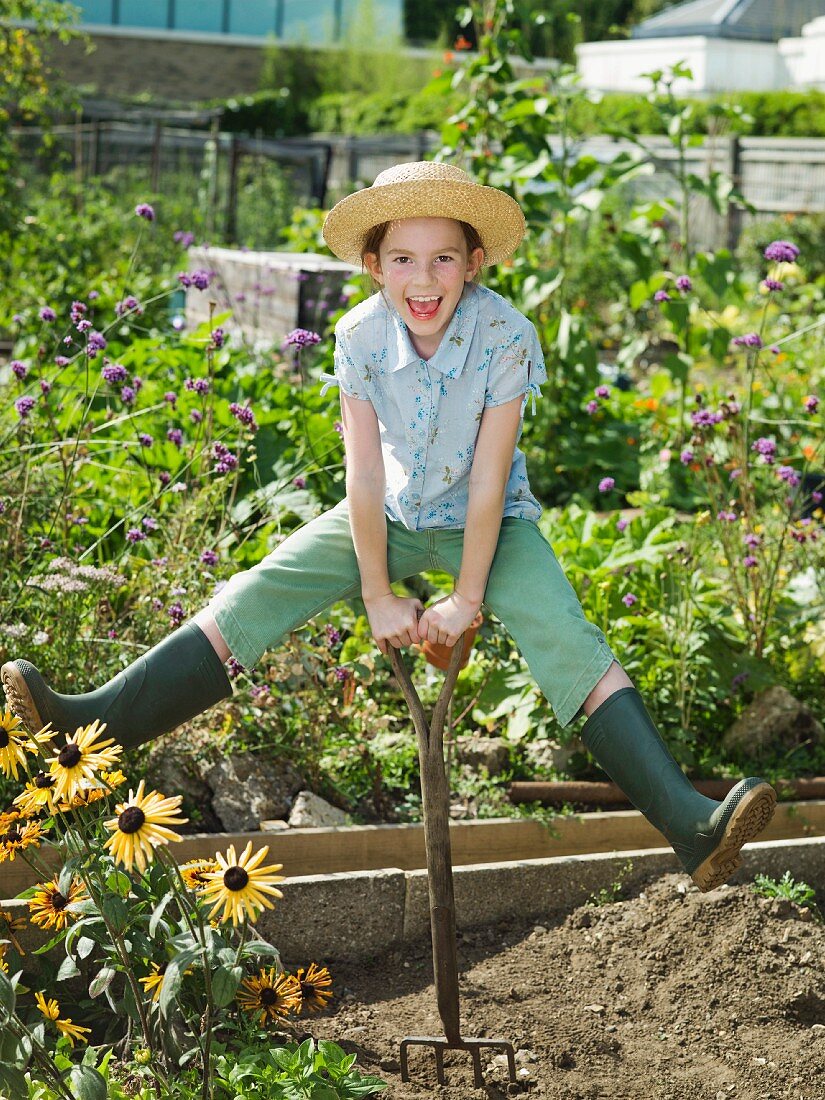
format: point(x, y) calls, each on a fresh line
point(373, 239)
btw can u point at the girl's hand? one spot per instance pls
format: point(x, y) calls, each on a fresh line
point(394, 620)
point(445, 622)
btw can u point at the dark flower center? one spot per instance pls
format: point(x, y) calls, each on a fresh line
point(70, 756)
point(235, 878)
point(58, 901)
point(11, 837)
point(131, 819)
point(4, 738)
point(42, 780)
point(268, 996)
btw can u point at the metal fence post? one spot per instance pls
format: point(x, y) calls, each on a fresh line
point(231, 227)
point(734, 211)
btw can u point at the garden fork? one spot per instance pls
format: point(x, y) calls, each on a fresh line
point(435, 794)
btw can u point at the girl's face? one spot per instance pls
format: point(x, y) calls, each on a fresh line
point(423, 264)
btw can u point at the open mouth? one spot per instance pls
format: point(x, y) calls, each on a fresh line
point(425, 307)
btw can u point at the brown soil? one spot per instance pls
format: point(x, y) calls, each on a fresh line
point(669, 995)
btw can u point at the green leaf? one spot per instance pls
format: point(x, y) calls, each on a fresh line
point(7, 996)
point(102, 981)
point(14, 1051)
point(68, 968)
point(173, 978)
point(119, 883)
point(678, 366)
point(639, 293)
point(12, 1078)
point(225, 982)
point(84, 947)
point(87, 1083)
point(115, 910)
point(158, 912)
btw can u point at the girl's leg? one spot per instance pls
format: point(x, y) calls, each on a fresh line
point(574, 667)
point(184, 675)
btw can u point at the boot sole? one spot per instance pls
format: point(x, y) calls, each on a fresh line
point(746, 822)
point(19, 697)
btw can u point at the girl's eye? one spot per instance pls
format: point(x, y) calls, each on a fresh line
point(401, 259)
point(446, 259)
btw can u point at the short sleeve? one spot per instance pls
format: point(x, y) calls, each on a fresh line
point(346, 373)
point(516, 368)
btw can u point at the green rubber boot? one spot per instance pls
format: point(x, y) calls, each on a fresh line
point(706, 835)
point(171, 683)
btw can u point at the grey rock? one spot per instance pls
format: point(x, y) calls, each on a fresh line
point(173, 775)
point(547, 755)
point(492, 753)
point(774, 718)
point(247, 790)
point(310, 811)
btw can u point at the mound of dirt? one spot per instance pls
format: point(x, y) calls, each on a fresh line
point(670, 995)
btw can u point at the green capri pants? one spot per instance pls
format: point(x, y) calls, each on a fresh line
point(526, 590)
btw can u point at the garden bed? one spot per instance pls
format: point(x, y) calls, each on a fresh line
point(668, 994)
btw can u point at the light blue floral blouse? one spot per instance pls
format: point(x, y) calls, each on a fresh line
point(429, 411)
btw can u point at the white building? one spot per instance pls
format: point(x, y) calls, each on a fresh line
point(729, 45)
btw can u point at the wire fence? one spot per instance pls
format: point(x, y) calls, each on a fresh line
point(246, 186)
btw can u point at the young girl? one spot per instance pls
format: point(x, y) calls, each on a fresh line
point(434, 373)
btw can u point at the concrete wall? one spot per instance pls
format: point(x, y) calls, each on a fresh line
point(717, 64)
point(172, 66)
point(804, 57)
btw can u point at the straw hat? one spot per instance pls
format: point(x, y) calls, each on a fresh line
point(425, 189)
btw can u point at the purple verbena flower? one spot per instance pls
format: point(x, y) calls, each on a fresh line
point(628, 599)
point(781, 252)
point(342, 674)
point(789, 475)
point(183, 237)
point(171, 398)
point(726, 516)
point(93, 295)
point(145, 439)
point(333, 635)
point(83, 325)
point(602, 391)
point(225, 461)
point(129, 304)
point(77, 311)
point(197, 385)
point(245, 415)
point(816, 496)
point(134, 534)
point(772, 284)
point(150, 523)
point(47, 314)
point(218, 337)
point(95, 342)
point(766, 448)
point(234, 668)
point(606, 484)
point(299, 482)
point(200, 279)
point(114, 373)
point(164, 477)
point(176, 613)
point(61, 361)
point(45, 387)
point(749, 561)
point(752, 540)
point(705, 418)
point(686, 457)
point(591, 407)
point(684, 284)
point(175, 435)
point(301, 338)
point(24, 406)
point(196, 416)
point(209, 557)
point(622, 523)
point(144, 210)
point(20, 370)
point(661, 296)
point(749, 340)
point(811, 403)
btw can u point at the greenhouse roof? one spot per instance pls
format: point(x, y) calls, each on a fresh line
point(756, 20)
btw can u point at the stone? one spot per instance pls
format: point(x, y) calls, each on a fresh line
point(548, 756)
point(492, 753)
point(173, 775)
point(310, 811)
point(247, 790)
point(774, 718)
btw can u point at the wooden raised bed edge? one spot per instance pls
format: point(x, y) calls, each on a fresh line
point(608, 794)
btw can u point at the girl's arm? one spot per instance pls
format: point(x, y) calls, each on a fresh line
point(366, 484)
point(492, 462)
point(393, 619)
